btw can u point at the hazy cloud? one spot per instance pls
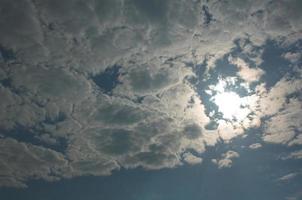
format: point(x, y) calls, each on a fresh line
point(288, 177)
point(294, 155)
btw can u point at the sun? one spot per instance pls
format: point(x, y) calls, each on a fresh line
point(230, 104)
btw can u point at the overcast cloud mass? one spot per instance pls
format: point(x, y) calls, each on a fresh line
point(92, 87)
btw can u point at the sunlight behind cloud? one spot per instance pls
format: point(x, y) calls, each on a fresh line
point(230, 105)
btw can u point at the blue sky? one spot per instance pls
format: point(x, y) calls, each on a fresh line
point(254, 175)
point(150, 100)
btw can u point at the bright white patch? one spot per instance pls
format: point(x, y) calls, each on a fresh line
point(229, 104)
point(233, 107)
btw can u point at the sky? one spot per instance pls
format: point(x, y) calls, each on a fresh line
point(151, 99)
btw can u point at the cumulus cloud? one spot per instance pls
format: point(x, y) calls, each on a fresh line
point(293, 57)
point(281, 106)
point(52, 51)
point(191, 159)
point(226, 160)
point(274, 99)
point(296, 141)
point(255, 146)
point(245, 72)
point(285, 125)
point(294, 155)
point(228, 131)
point(20, 161)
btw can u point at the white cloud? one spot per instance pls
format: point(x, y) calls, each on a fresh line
point(51, 83)
point(293, 56)
point(283, 127)
point(59, 45)
point(255, 146)
point(21, 161)
point(228, 131)
point(273, 100)
point(288, 177)
point(191, 159)
point(150, 78)
point(226, 160)
point(281, 109)
point(245, 72)
point(296, 141)
point(294, 155)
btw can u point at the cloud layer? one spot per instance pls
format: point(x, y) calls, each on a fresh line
point(59, 120)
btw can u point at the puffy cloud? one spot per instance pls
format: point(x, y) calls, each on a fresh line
point(193, 131)
point(50, 83)
point(226, 159)
point(273, 100)
point(255, 146)
point(294, 155)
point(245, 72)
point(150, 78)
point(279, 108)
point(293, 57)
point(296, 141)
point(191, 159)
point(20, 161)
point(51, 50)
point(285, 125)
point(18, 22)
point(228, 131)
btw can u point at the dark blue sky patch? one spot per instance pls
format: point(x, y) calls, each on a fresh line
point(274, 65)
point(257, 13)
point(6, 54)
point(139, 99)
point(108, 79)
point(6, 82)
point(223, 68)
point(212, 125)
point(207, 16)
point(237, 88)
point(54, 120)
point(31, 136)
point(248, 56)
point(200, 87)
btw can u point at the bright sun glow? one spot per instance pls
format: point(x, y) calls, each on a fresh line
point(230, 105)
